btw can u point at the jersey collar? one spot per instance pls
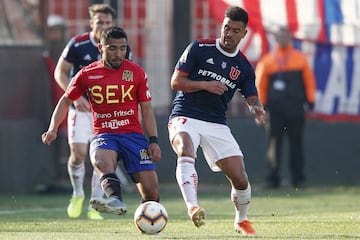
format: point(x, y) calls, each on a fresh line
point(224, 52)
point(92, 39)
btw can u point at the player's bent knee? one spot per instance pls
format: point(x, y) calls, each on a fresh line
point(183, 145)
point(240, 181)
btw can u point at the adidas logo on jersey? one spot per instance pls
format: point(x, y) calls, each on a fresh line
point(210, 61)
point(87, 57)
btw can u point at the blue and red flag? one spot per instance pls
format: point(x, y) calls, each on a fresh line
point(327, 31)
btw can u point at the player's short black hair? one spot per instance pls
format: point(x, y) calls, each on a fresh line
point(236, 13)
point(112, 32)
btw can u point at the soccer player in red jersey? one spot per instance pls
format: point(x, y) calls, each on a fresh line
point(80, 51)
point(116, 88)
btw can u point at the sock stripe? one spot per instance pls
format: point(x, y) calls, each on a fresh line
point(186, 160)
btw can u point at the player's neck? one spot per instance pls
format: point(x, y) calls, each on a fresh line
point(106, 64)
point(93, 38)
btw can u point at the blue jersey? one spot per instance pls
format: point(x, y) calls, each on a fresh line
point(82, 50)
point(205, 61)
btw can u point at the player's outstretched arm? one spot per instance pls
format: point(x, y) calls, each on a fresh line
point(57, 117)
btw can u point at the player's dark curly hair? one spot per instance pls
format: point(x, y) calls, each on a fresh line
point(112, 32)
point(236, 13)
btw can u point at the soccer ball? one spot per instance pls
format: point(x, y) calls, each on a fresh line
point(150, 217)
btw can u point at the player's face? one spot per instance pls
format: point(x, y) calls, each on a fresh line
point(99, 22)
point(113, 52)
point(231, 34)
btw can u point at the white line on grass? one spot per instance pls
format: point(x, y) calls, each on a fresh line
point(10, 212)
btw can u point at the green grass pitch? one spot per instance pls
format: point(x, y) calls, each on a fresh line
point(313, 213)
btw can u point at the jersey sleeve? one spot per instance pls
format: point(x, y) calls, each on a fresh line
point(68, 52)
point(247, 86)
point(188, 58)
point(143, 90)
point(76, 87)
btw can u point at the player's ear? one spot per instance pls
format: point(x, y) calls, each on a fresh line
point(91, 23)
point(100, 48)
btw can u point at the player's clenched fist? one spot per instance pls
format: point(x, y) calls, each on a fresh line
point(216, 87)
point(48, 137)
point(154, 152)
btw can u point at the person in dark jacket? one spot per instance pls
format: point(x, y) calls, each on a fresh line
point(286, 86)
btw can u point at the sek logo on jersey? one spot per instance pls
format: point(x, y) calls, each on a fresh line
point(111, 94)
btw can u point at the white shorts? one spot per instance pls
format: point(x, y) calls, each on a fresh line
point(216, 140)
point(80, 128)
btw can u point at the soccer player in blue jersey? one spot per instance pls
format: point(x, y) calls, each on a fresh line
point(80, 51)
point(206, 77)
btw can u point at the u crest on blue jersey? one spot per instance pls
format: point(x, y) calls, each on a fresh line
point(234, 73)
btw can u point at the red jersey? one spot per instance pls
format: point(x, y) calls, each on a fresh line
point(114, 95)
